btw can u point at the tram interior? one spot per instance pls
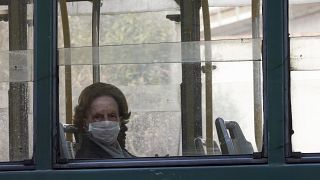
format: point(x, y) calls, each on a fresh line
point(137, 46)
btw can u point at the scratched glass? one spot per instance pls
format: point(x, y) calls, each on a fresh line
point(16, 80)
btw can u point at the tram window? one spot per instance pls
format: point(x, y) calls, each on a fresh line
point(305, 75)
point(139, 50)
point(16, 80)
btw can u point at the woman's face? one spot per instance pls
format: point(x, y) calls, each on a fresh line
point(103, 108)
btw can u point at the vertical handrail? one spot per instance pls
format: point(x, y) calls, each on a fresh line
point(255, 19)
point(95, 39)
point(67, 56)
point(208, 76)
point(18, 91)
point(191, 116)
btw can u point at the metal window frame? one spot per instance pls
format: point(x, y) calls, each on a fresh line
point(190, 32)
point(45, 81)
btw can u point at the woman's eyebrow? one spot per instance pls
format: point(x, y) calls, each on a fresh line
point(98, 114)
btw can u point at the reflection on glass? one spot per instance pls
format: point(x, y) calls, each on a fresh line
point(139, 51)
point(16, 80)
point(302, 17)
point(305, 73)
point(305, 78)
point(234, 19)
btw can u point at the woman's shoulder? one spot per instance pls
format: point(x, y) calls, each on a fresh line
point(90, 150)
point(127, 154)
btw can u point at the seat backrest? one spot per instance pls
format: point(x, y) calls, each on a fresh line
point(66, 147)
point(232, 139)
point(64, 152)
point(242, 146)
point(226, 144)
point(199, 146)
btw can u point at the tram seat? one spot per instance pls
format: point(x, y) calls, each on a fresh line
point(232, 140)
point(216, 149)
point(67, 147)
point(199, 146)
point(201, 149)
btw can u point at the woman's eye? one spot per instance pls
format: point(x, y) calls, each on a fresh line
point(113, 116)
point(98, 117)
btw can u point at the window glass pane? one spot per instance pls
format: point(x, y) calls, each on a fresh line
point(16, 80)
point(233, 19)
point(163, 81)
point(305, 74)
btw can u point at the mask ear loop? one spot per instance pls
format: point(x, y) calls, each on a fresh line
point(86, 125)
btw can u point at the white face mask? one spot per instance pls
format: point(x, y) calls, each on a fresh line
point(106, 131)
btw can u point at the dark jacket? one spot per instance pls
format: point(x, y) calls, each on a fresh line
point(90, 150)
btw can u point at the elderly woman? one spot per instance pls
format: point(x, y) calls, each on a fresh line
point(101, 116)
